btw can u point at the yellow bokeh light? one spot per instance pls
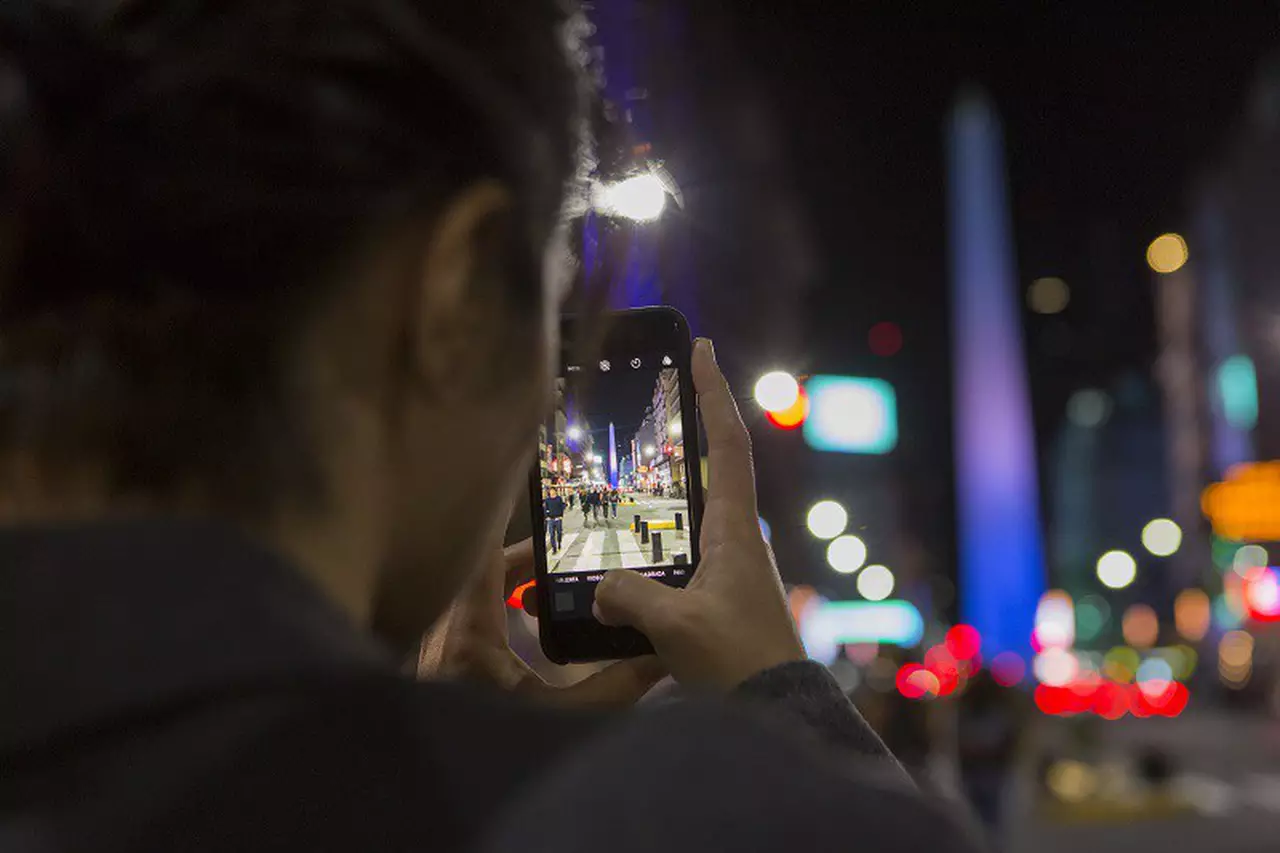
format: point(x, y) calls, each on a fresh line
point(1048, 295)
point(1167, 253)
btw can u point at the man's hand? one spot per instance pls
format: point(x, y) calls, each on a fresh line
point(732, 621)
point(470, 643)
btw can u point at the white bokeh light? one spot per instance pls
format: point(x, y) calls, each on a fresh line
point(846, 554)
point(1162, 537)
point(1117, 569)
point(1056, 667)
point(777, 391)
point(827, 519)
point(1250, 557)
point(875, 583)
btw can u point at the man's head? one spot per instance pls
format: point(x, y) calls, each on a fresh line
point(295, 264)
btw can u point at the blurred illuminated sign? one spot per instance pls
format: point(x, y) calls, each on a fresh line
point(1246, 505)
point(848, 414)
point(828, 623)
point(1238, 392)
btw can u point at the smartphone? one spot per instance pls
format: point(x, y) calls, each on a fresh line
point(617, 484)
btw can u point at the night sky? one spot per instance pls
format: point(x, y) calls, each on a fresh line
point(813, 172)
point(620, 396)
point(1109, 117)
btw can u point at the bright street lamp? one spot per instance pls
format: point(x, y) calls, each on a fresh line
point(640, 197)
point(777, 391)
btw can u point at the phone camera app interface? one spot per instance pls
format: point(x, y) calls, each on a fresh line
point(614, 482)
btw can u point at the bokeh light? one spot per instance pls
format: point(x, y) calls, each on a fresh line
point(777, 391)
point(1235, 659)
point(1121, 664)
point(875, 583)
point(1154, 677)
point(1167, 253)
point(964, 642)
point(1071, 781)
point(792, 416)
point(885, 339)
point(1089, 408)
point(1092, 613)
point(916, 682)
point(1249, 557)
point(1192, 614)
point(1055, 667)
point(1162, 537)
point(851, 414)
point(1262, 595)
point(827, 519)
point(1055, 624)
point(862, 654)
point(1048, 295)
point(847, 554)
point(1008, 669)
point(1141, 626)
point(1117, 569)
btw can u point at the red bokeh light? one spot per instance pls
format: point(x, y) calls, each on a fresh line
point(964, 642)
point(516, 599)
point(1261, 594)
point(885, 339)
point(945, 668)
point(1110, 700)
point(792, 416)
point(916, 682)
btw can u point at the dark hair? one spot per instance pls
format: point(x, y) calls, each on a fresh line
point(186, 176)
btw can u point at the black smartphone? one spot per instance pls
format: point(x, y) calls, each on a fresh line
point(617, 485)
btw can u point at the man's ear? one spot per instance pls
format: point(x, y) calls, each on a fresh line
point(466, 256)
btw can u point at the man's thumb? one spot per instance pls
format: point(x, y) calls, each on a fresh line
point(631, 599)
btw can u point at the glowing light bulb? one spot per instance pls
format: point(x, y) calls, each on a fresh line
point(641, 198)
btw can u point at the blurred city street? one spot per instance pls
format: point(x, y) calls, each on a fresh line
point(596, 542)
point(1222, 791)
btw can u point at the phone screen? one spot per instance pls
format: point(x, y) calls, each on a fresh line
point(614, 477)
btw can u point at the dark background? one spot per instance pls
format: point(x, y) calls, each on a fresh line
point(813, 171)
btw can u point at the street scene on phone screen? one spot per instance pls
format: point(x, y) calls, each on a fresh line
point(612, 461)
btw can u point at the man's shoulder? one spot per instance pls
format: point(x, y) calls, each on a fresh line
point(378, 763)
point(718, 776)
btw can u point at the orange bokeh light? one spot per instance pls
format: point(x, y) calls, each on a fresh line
point(792, 416)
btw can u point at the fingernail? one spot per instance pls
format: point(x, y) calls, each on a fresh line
point(706, 344)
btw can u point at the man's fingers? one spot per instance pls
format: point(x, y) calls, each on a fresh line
point(728, 444)
point(519, 562)
point(616, 686)
point(630, 599)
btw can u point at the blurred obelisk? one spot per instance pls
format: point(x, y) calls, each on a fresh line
point(1001, 572)
point(613, 457)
